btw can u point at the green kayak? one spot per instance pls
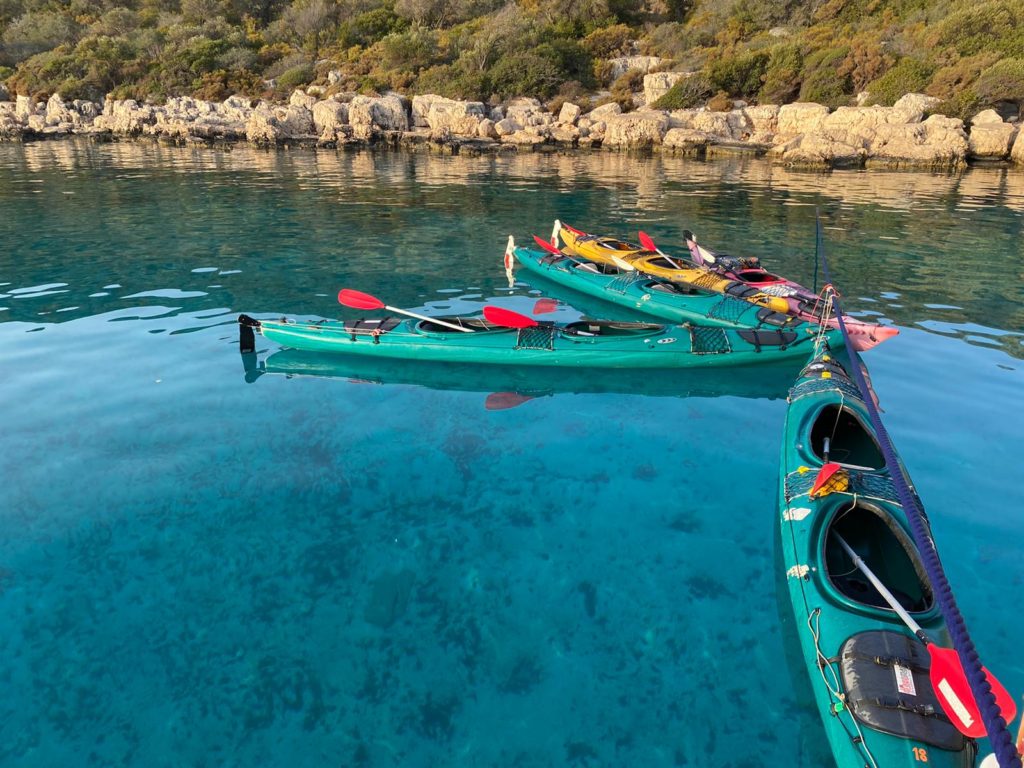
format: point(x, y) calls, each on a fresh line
point(867, 671)
point(652, 296)
point(583, 344)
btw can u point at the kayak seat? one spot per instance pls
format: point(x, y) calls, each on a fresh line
point(470, 323)
point(605, 328)
point(885, 675)
point(678, 289)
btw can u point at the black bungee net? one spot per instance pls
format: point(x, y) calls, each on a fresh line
point(998, 734)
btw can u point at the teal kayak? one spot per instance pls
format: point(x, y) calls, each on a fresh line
point(652, 296)
point(868, 673)
point(582, 344)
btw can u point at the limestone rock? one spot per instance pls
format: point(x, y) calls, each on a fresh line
point(712, 123)
point(818, 151)
point(938, 142)
point(991, 141)
point(507, 127)
point(622, 64)
point(987, 117)
point(565, 134)
point(486, 129)
point(657, 84)
point(57, 111)
point(460, 118)
point(1017, 153)
point(763, 119)
point(636, 129)
point(35, 123)
point(569, 113)
point(125, 116)
point(914, 105)
point(5, 95)
point(368, 115)
point(297, 121)
point(801, 117)
point(263, 127)
point(302, 99)
point(24, 107)
point(334, 77)
point(605, 110)
point(421, 106)
point(685, 140)
point(528, 112)
point(329, 115)
point(497, 113)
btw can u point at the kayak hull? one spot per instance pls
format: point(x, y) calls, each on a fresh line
point(833, 612)
point(611, 346)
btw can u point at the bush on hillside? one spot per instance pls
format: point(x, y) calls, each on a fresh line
point(526, 74)
point(625, 86)
point(975, 27)
point(687, 93)
point(608, 41)
point(782, 75)
point(720, 102)
point(908, 76)
point(740, 76)
point(965, 104)
point(954, 78)
point(823, 83)
point(1003, 81)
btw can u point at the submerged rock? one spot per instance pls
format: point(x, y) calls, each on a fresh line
point(389, 598)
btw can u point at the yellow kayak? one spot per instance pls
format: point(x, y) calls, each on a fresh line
point(604, 250)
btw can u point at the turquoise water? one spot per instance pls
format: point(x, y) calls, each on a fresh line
point(317, 565)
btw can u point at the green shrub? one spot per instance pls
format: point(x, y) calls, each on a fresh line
point(964, 104)
point(367, 28)
point(526, 73)
point(997, 25)
point(720, 102)
point(740, 76)
point(608, 41)
point(452, 81)
point(296, 77)
point(822, 81)
point(908, 76)
point(782, 76)
point(688, 92)
point(954, 78)
point(1003, 81)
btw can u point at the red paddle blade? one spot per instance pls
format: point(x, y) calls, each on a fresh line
point(543, 306)
point(646, 242)
point(502, 401)
point(508, 318)
point(828, 480)
point(954, 693)
point(358, 300)
point(547, 246)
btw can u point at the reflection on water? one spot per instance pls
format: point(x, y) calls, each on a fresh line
point(935, 250)
point(298, 560)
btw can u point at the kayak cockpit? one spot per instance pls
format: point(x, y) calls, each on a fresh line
point(839, 435)
point(662, 262)
point(610, 244)
point(677, 289)
point(758, 277)
point(474, 324)
point(607, 328)
point(885, 548)
point(598, 268)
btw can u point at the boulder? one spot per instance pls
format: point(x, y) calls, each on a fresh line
point(486, 129)
point(565, 134)
point(635, 129)
point(914, 105)
point(334, 77)
point(818, 151)
point(800, 117)
point(5, 95)
point(938, 142)
point(263, 127)
point(35, 123)
point(421, 106)
point(1017, 153)
point(990, 140)
point(24, 106)
point(507, 127)
point(296, 121)
point(712, 123)
point(528, 112)
point(622, 64)
point(569, 113)
point(302, 99)
point(657, 84)
point(57, 111)
point(329, 115)
point(125, 117)
point(763, 119)
point(605, 110)
point(685, 140)
point(459, 118)
point(369, 115)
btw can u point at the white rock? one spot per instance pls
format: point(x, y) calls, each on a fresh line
point(987, 117)
point(329, 115)
point(1017, 153)
point(657, 84)
point(486, 129)
point(991, 141)
point(507, 127)
point(914, 105)
point(459, 118)
point(605, 110)
point(368, 115)
point(635, 129)
point(685, 139)
point(622, 64)
point(801, 117)
point(569, 113)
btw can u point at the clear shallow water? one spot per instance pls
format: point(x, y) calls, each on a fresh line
point(305, 570)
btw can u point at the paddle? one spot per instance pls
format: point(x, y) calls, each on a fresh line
point(701, 256)
point(359, 300)
point(947, 673)
point(648, 243)
point(507, 318)
point(554, 250)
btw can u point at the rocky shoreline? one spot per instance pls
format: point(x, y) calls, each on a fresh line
point(797, 135)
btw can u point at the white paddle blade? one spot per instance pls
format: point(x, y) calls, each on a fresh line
point(510, 261)
point(622, 264)
point(555, 231)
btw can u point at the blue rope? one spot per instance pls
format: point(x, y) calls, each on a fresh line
point(1002, 742)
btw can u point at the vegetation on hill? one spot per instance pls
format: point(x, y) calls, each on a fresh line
point(968, 52)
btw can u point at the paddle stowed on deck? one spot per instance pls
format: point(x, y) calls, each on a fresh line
point(975, 702)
